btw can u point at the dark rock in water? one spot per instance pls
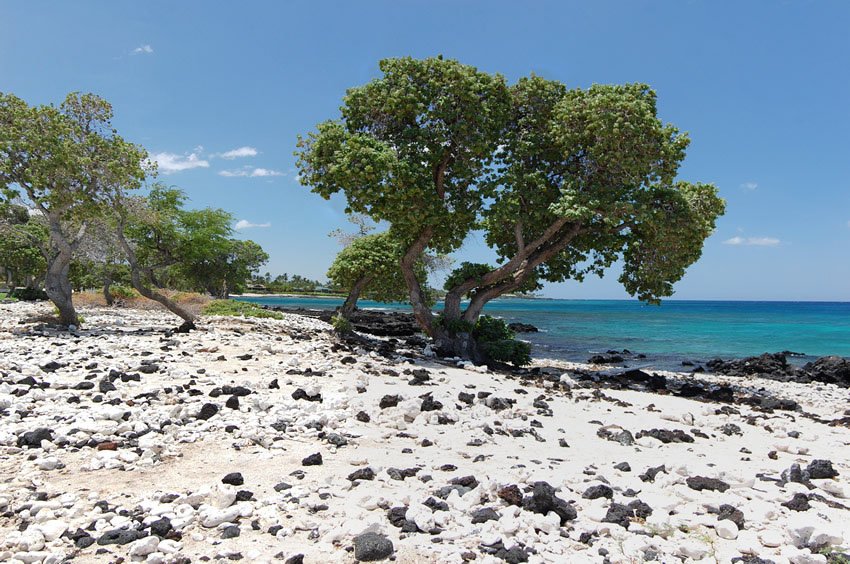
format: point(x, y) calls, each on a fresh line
point(32, 439)
point(700, 483)
point(517, 327)
point(233, 479)
point(732, 513)
point(312, 460)
point(600, 490)
point(800, 502)
point(207, 411)
point(605, 359)
point(543, 500)
point(484, 515)
point(370, 547)
point(618, 514)
point(820, 469)
point(667, 436)
point(362, 474)
point(830, 370)
point(768, 365)
point(120, 536)
point(389, 401)
point(511, 495)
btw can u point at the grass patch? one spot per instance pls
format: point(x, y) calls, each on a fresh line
point(233, 308)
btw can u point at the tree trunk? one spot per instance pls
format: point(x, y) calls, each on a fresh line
point(107, 294)
point(462, 345)
point(58, 288)
point(353, 295)
point(149, 293)
point(421, 311)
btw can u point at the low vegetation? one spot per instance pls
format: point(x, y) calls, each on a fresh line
point(233, 308)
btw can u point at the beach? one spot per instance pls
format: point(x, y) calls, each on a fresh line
point(276, 440)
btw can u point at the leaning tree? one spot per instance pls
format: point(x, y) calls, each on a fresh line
point(564, 182)
point(64, 163)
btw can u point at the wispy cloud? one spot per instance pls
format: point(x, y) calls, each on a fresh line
point(250, 172)
point(750, 185)
point(168, 163)
point(245, 224)
point(143, 50)
point(752, 241)
point(240, 152)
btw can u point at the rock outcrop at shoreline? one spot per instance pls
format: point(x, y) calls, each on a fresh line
point(775, 366)
point(272, 440)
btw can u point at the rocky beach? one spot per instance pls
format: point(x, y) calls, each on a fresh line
point(277, 441)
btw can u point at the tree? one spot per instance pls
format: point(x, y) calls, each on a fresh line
point(64, 162)
point(23, 246)
point(563, 182)
point(369, 267)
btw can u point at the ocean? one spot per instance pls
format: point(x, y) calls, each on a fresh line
point(675, 331)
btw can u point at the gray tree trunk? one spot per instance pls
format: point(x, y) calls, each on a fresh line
point(353, 295)
point(58, 288)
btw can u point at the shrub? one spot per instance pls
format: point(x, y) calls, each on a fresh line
point(28, 294)
point(123, 292)
point(341, 324)
point(499, 342)
point(233, 308)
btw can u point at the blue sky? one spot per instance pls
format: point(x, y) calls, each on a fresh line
point(219, 91)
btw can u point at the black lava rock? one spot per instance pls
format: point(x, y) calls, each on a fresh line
point(388, 401)
point(819, 469)
point(370, 547)
point(32, 439)
point(430, 404)
point(543, 500)
point(230, 532)
point(600, 490)
point(161, 527)
point(619, 514)
point(120, 536)
point(667, 436)
point(362, 474)
point(312, 460)
point(732, 513)
point(623, 467)
point(363, 417)
point(207, 411)
point(484, 515)
point(233, 479)
point(700, 483)
point(800, 502)
point(232, 402)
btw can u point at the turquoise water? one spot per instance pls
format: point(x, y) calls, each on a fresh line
point(667, 334)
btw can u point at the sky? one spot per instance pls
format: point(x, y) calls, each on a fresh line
point(218, 92)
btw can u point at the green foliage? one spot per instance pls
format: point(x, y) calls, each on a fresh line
point(21, 249)
point(373, 260)
point(564, 182)
point(499, 342)
point(417, 138)
point(192, 249)
point(233, 308)
point(28, 294)
point(453, 326)
point(341, 324)
point(123, 292)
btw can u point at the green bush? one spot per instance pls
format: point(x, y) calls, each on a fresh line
point(28, 294)
point(499, 342)
point(341, 324)
point(123, 292)
point(453, 326)
point(233, 308)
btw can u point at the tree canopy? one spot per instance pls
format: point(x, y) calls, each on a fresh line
point(564, 182)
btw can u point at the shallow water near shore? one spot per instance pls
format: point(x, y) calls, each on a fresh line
point(675, 331)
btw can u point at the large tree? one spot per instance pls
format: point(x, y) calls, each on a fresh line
point(64, 163)
point(564, 182)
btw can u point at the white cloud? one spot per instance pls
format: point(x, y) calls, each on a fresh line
point(750, 185)
point(143, 50)
point(250, 172)
point(752, 241)
point(240, 152)
point(170, 162)
point(245, 224)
